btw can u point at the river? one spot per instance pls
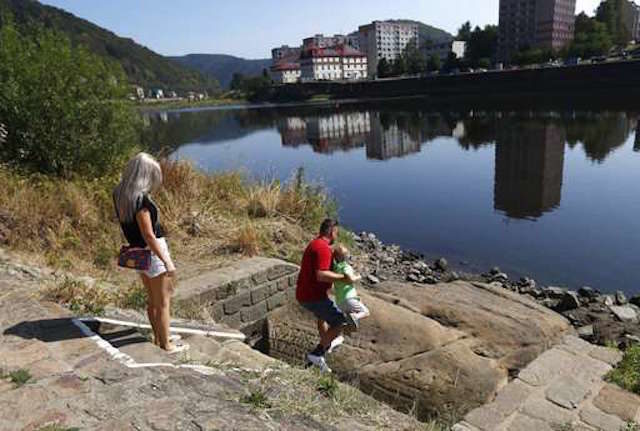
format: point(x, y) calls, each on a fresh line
point(551, 194)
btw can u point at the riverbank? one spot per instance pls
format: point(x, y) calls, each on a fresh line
point(161, 104)
point(618, 77)
point(605, 319)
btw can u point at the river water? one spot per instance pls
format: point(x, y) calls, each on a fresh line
point(554, 195)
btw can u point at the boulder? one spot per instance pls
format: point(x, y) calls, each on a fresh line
point(442, 264)
point(635, 300)
point(621, 298)
point(624, 313)
point(436, 348)
point(588, 292)
point(570, 301)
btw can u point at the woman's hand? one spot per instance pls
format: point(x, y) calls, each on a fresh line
point(171, 269)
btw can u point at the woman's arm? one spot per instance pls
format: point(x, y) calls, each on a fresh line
point(143, 217)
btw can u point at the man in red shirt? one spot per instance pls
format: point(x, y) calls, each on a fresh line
point(314, 281)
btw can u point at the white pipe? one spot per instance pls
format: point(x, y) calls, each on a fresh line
point(218, 334)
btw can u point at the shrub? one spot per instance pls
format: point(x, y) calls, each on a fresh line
point(627, 374)
point(64, 108)
point(258, 399)
point(20, 377)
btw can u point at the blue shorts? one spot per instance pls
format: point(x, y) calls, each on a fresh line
point(327, 311)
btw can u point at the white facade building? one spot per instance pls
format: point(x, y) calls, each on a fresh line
point(443, 48)
point(285, 72)
point(386, 39)
point(333, 64)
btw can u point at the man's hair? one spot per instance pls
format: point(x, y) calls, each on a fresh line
point(327, 226)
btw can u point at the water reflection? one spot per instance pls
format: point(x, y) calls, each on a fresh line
point(529, 146)
point(529, 163)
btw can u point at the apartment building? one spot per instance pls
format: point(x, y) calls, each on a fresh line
point(386, 39)
point(631, 18)
point(545, 24)
point(286, 72)
point(333, 64)
point(285, 51)
point(322, 41)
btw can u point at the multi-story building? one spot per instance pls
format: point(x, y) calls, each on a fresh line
point(545, 24)
point(286, 71)
point(631, 18)
point(285, 51)
point(322, 41)
point(443, 48)
point(386, 39)
point(333, 64)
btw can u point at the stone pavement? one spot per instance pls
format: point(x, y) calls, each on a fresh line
point(75, 383)
point(563, 389)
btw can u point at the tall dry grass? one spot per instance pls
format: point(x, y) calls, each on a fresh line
point(71, 224)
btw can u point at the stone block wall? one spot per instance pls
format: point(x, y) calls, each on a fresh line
point(242, 295)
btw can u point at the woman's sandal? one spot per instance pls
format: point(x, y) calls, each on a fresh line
point(172, 338)
point(177, 348)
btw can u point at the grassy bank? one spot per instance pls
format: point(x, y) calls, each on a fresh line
point(210, 219)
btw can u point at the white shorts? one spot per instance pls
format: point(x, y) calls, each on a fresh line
point(157, 266)
point(353, 305)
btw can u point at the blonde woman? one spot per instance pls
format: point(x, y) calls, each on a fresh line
point(138, 216)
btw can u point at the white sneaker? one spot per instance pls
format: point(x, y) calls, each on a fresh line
point(319, 362)
point(337, 342)
point(352, 321)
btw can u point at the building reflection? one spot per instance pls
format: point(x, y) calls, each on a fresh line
point(529, 163)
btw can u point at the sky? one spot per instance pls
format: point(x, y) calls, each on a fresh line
point(250, 28)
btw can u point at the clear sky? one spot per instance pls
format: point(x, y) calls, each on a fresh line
point(250, 28)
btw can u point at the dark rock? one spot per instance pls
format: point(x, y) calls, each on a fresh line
point(413, 278)
point(621, 298)
point(442, 264)
point(550, 302)
point(588, 292)
point(555, 292)
point(501, 276)
point(373, 279)
point(494, 271)
point(430, 279)
point(570, 301)
point(635, 300)
point(585, 332)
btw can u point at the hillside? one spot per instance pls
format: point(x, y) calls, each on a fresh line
point(142, 66)
point(222, 67)
point(428, 32)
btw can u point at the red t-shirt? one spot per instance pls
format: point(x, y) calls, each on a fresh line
point(317, 257)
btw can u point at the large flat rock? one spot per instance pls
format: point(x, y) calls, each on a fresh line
point(440, 348)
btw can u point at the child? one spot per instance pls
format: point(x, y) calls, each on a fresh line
point(346, 296)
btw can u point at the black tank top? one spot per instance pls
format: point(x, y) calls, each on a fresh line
point(131, 230)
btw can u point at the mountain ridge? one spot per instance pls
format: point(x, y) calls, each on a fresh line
point(223, 66)
point(142, 65)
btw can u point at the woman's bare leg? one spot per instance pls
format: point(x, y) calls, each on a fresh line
point(162, 289)
point(151, 309)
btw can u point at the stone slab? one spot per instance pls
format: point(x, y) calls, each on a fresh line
point(567, 392)
point(525, 423)
point(598, 419)
point(616, 401)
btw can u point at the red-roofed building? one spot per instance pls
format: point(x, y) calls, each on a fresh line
point(335, 63)
point(286, 71)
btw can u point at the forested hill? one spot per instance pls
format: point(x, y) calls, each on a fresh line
point(222, 67)
point(142, 66)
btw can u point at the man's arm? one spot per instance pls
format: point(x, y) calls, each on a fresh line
point(328, 276)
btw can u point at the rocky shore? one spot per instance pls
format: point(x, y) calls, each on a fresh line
point(600, 318)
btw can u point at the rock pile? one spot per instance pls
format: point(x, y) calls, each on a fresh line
point(599, 318)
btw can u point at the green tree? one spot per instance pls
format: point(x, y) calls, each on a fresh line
point(611, 13)
point(65, 109)
point(592, 38)
point(414, 59)
point(434, 63)
point(482, 45)
point(237, 81)
point(384, 68)
point(399, 66)
point(464, 32)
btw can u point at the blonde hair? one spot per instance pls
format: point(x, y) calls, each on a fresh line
point(340, 252)
point(141, 175)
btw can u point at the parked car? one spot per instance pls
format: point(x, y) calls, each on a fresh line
point(573, 61)
point(600, 59)
point(636, 53)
